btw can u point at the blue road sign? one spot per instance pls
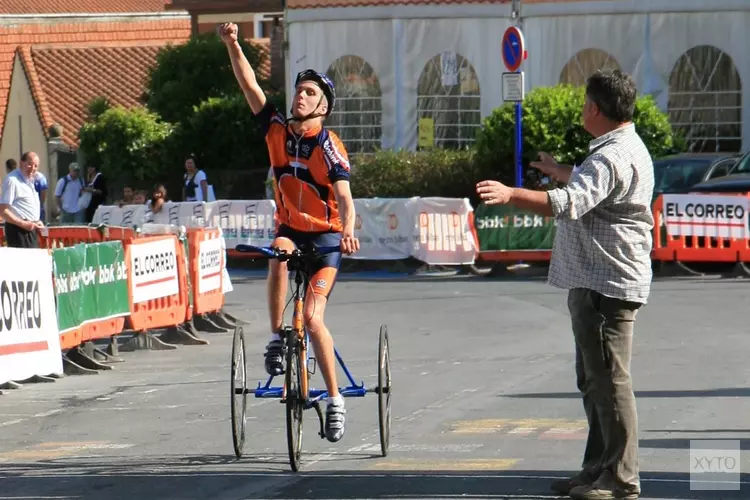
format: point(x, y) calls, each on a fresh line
point(514, 48)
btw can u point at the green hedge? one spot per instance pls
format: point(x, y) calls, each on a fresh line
point(551, 123)
point(402, 174)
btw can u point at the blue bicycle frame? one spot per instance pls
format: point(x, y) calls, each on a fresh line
point(314, 395)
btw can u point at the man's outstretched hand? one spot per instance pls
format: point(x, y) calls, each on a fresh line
point(494, 192)
point(228, 32)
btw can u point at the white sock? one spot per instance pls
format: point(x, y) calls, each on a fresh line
point(275, 336)
point(336, 401)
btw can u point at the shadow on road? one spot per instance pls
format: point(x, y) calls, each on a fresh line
point(725, 392)
point(218, 477)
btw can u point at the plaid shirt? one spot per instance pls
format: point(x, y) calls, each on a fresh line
point(604, 221)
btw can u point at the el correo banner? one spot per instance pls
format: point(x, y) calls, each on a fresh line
point(723, 216)
point(505, 228)
point(153, 267)
point(29, 338)
point(91, 283)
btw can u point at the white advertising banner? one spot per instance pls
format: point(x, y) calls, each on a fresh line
point(29, 338)
point(126, 216)
point(444, 231)
point(154, 270)
point(723, 216)
point(210, 265)
point(188, 214)
point(385, 228)
point(245, 222)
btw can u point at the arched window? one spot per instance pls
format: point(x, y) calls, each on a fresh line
point(584, 64)
point(358, 114)
point(448, 100)
point(705, 100)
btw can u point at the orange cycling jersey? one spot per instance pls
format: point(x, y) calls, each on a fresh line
point(305, 168)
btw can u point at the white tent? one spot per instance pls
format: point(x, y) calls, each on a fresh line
point(396, 64)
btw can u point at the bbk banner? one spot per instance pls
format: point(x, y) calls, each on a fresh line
point(500, 227)
point(153, 266)
point(91, 282)
point(29, 338)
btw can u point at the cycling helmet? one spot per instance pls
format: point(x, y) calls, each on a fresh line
point(322, 81)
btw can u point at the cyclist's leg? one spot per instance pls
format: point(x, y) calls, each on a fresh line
point(322, 280)
point(276, 291)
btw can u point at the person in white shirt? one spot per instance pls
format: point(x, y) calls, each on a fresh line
point(67, 192)
point(19, 204)
point(196, 182)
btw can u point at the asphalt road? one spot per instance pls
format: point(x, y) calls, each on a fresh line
point(484, 402)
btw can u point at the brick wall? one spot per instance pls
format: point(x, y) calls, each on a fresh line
point(278, 70)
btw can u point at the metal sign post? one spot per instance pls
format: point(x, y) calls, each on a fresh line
point(514, 53)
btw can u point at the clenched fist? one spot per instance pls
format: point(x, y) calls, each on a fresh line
point(228, 32)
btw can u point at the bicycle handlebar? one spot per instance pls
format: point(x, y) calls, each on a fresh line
point(283, 255)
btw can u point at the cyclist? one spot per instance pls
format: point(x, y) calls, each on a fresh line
point(314, 206)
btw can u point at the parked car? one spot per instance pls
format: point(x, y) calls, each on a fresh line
point(738, 180)
point(679, 173)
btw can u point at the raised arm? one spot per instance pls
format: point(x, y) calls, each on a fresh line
point(244, 73)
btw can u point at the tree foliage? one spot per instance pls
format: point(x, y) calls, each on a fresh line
point(188, 74)
point(126, 143)
point(552, 123)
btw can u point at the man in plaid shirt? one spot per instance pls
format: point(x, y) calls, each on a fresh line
point(602, 256)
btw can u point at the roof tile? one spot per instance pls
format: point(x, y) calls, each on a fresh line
point(81, 34)
point(80, 6)
point(65, 79)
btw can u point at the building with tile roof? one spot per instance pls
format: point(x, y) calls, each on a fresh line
point(411, 72)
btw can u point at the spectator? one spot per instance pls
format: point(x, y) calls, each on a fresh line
point(158, 198)
point(139, 198)
point(97, 186)
point(67, 192)
point(10, 165)
point(41, 186)
point(194, 179)
point(127, 196)
point(19, 204)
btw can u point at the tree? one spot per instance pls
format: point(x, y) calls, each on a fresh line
point(552, 123)
point(186, 75)
point(127, 144)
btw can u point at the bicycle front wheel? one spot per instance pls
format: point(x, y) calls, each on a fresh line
point(238, 384)
point(295, 400)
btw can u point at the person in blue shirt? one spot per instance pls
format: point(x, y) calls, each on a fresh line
point(41, 186)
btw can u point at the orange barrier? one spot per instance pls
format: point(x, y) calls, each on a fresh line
point(160, 311)
point(691, 248)
point(206, 257)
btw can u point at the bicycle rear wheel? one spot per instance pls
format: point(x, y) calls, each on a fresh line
point(384, 390)
point(295, 400)
point(238, 384)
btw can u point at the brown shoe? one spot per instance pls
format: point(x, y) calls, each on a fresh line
point(602, 489)
point(564, 486)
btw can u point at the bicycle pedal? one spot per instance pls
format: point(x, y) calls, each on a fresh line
point(311, 365)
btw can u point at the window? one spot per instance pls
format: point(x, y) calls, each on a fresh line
point(358, 113)
point(448, 102)
point(582, 65)
point(705, 100)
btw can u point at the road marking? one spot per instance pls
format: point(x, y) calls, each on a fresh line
point(150, 391)
point(55, 450)
point(457, 465)
point(12, 422)
point(48, 413)
point(438, 448)
point(547, 428)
